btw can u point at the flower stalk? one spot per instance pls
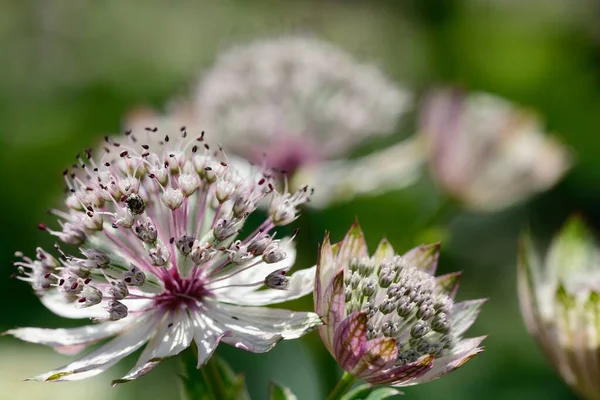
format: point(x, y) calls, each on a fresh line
point(342, 387)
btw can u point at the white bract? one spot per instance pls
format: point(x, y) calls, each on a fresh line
point(162, 261)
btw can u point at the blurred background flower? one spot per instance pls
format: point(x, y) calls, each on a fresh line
point(486, 152)
point(71, 73)
point(560, 302)
point(296, 101)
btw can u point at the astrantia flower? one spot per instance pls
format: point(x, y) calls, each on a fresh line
point(487, 152)
point(560, 302)
point(160, 258)
point(388, 320)
point(300, 102)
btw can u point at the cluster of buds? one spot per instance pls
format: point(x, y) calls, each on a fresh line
point(388, 320)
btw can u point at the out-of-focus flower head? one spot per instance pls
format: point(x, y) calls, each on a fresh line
point(161, 258)
point(487, 152)
point(388, 320)
point(296, 102)
point(560, 302)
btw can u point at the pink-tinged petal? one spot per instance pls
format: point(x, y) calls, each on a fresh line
point(441, 126)
point(529, 272)
point(448, 284)
point(424, 257)
point(254, 342)
point(350, 340)
point(333, 310)
point(206, 337)
point(464, 351)
point(384, 250)
point(70, 350)
point(174, 334)
point(398, 376)
point(464, 315)
point(69, 341)
point(105, 356)
point(213, 327)
point(380, 354)
point(257, 329)
point(353, 245)
point(326, 269)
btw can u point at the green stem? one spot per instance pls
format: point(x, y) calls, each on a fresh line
point(342, 387)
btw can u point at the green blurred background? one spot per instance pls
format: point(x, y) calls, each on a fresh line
point(71, 69)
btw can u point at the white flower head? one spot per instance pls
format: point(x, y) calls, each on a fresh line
point(162, 259)
point(298, 100)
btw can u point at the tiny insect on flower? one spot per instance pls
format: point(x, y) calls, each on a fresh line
point(388, 320)
point(162, 260)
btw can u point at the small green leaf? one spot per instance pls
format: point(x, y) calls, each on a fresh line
point(214, 381)
point(278, 392)
point(359, 392)
point(368, 392)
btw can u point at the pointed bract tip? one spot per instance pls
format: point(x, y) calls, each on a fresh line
point(355, 229)
point(117, 382)
point(577, 225)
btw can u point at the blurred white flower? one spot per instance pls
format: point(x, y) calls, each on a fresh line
point(560, 302)
point(391, 168)
point(296, 103)
point(486, 152)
